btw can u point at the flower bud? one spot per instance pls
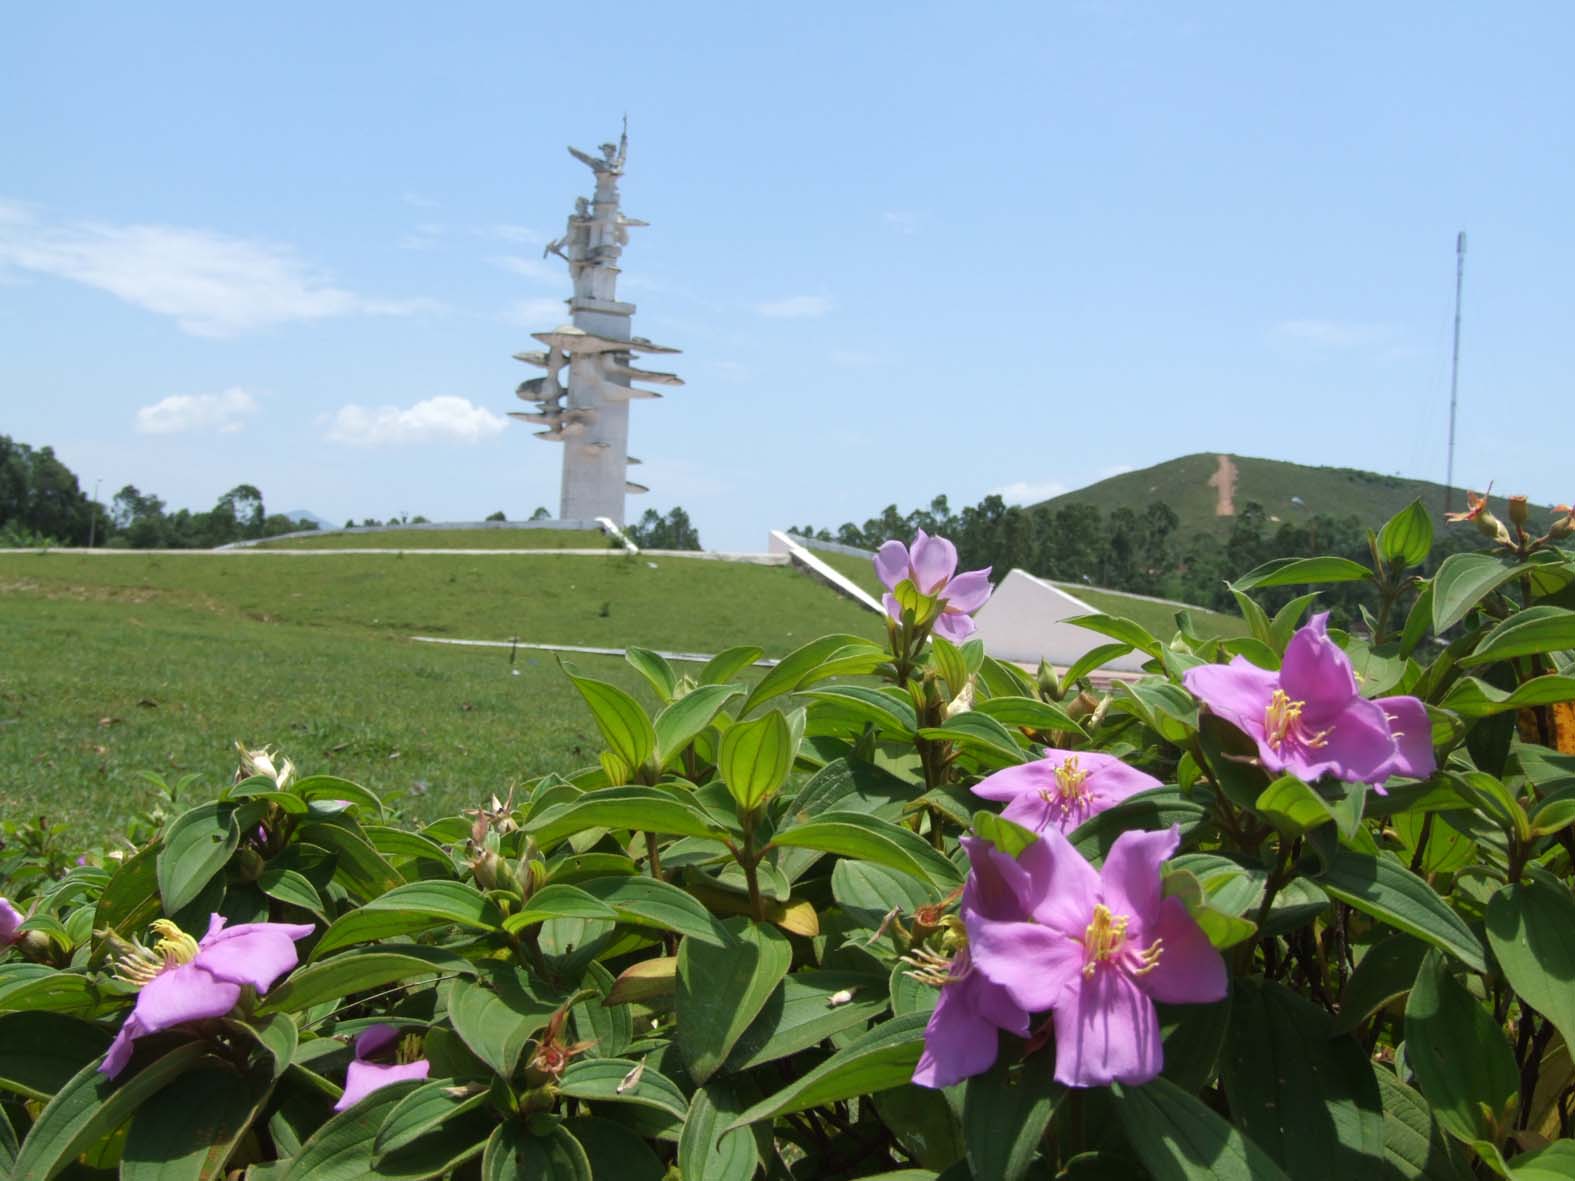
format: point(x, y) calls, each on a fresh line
point(1519, 513)
point(1049, 684)
point(1564, 524)
point(36, 946)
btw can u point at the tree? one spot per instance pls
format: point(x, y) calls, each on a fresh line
point(673, 531)
point(497, 516)
point(541, 514)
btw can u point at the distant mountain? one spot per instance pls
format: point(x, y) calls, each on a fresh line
point(302, 516)
point(1207, 490)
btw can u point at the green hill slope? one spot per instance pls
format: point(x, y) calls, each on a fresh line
point(1193, 485)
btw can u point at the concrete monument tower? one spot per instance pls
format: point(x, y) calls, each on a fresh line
point(589, 411)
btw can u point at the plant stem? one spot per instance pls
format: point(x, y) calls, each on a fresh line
point(653, 855)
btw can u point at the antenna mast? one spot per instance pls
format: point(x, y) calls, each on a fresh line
point(1454, 370)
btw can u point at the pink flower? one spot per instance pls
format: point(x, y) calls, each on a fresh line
point(1101, 947)
point(182, 980)
point(1309, 719)
point(363, 1077)
point(11, 920)
point(1063, 789)
point(931, 566)
point(960, 1039)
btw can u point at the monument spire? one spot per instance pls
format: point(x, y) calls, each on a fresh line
point(589, 411)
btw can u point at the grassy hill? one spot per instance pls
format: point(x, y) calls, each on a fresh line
point(1291, 492)
point(456, 538)
point(118, 664)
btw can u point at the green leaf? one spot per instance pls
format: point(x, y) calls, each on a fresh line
point(1257, 619)
point(609, 1026)
point(624, 726)
point(196, 847)
point(1005, 1113)
point(703, 1151)
point(1119, 628)
point(90, 1106)
point(422, 1110)
point(188, 1130)
point(1094, 658)
point(292, 888)
point(793, 668)
point(359, 868)
point(1179, 1139)
point(1006, 835)
point(1414, 1146)
point(979, 733)
point(869, 838)
point(655, 669)
point(341, 1150)
point(947, 659)
point(496, 1022)
point(360, 971)
point(1166, 708)
point(56, 992)
point(722, 989)
point(40, 1052)
point(557, 901)
point(755, 758)
point(638, 809)
point(516, 1154)
point(677, 725)
point(1293, 807)
point(1531, 928)
point(1407, 537)
point(1307, 1099)
point(1472, 698)
point(1028, 713)
point(882, 1058)
point(804, 1010)
point(1300, 571)
point(1283, 625)
point(1417, 621)
point(605, 1080)
point(728, 663)
point(1462, 581)
point(1382, 887)
point(131, 899)
point(1157, 808)
point(332, 787)
point(1532, 631)
point(889, 712)
point(1385, 973)
point(416, 906)
point(1459, 1056)
point(614, 1151)
point(866, 892)
point(1556, 1162)
point(648, 902)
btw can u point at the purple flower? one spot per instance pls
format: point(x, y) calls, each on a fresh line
point(931, 566)
point(1309, 719)
point(1101, 948)
point(1063, 789)
point(960, 1039)
point(363, 1077)
point(10, 923)
point(184, 980)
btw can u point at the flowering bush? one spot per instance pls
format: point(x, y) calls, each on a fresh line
point(1296, 904)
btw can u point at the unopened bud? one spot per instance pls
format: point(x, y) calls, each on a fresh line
point(532, 876)
point(1082, 705)
point(247, 864)
point(962, 703)
point(36, 946)
point(1049, 684)
point(1519, 513)
point(1491, 527)
point(1564, 524)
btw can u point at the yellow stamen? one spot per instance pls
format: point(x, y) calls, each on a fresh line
point(1104, 938)
point(927, 967)
point(138, 964)
point(1282, 721)
point(1069, 792)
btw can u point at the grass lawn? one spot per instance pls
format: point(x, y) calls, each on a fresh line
point(449, 539)
point(1158, 618)
point(114, 665)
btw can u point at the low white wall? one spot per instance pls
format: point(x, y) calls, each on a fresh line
point(782, 543)
point(1024, 622)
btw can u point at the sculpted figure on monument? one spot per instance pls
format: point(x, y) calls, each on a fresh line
point(610, 166)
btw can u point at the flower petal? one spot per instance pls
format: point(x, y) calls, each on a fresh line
point(374, 1038)
point(185, 993)
point(1025, 779)
point(958, 1042)
point(10, 921)
point(1316, 671)
point(1412, 731)
point(893, 608)
point(891, 563)
point(1239, 691)
point(1189, 971)
point(1106, 1032)
point(1065, 886)
point(1110, 780)
point(1358, 746)
point(119, 1052)
point(1130, 877)
point(934, 561)
point(362, 1078)
point(1033, 963)
point(253, 953)
point(954, 626)
point(998, 887)
point(969, 591)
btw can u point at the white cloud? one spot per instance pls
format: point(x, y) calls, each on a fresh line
point(1334, 334)
point(211, 284)
point(1028, 491)
point(539, 314)
point(224, 412)
point(795, 307)
point(538, 270)
point(447, 419)
point(521, 234)
point(903, 221)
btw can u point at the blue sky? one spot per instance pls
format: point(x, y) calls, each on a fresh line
point(906, 249)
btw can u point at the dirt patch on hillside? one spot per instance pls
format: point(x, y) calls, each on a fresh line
point(1223, 481)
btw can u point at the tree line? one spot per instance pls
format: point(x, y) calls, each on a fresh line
point(1145, 553)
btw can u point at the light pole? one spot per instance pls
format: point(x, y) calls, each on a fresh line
point(93, 520)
